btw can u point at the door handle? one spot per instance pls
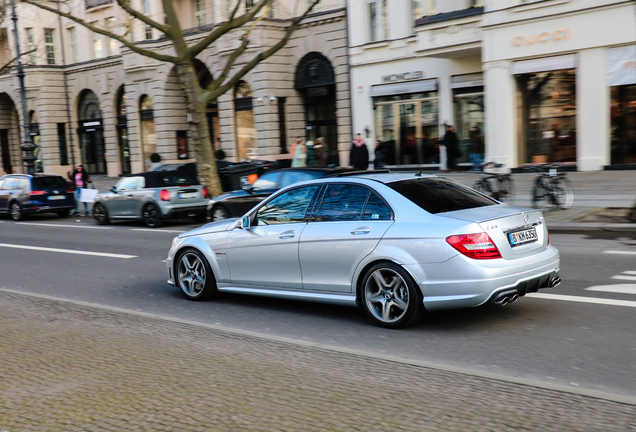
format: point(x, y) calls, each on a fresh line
point(287, 235)
point(361, 230)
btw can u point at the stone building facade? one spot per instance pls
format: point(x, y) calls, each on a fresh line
point(93, 102)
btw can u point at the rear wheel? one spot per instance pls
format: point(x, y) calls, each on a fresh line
point(390, 297)
point(219, 212)
point(540, 196)
point(100, 214)
point(151, 216)
point(563, 194)
point(194, 276)
point(16, 212)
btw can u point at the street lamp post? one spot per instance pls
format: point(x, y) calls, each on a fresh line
point(27, 147)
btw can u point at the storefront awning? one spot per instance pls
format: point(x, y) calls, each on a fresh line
point(545, 64)
point(407, 87)
point(467, 80)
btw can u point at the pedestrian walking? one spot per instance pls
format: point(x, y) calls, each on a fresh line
point(359, 154)
point(310, 158)
point(319, 152)
point(81, 179)
point(298, 153)
point(452, 149)
point(379, 155)
point(476, 151)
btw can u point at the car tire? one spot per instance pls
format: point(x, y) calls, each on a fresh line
point(193, 275)
point(219, 212)
point(16, 212)
point(151, 215)
point(390, 297)
point(63, 213)
point(100, 214)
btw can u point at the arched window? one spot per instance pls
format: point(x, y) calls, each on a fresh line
point(91, 133)
point(245, 131)
point(148, 130)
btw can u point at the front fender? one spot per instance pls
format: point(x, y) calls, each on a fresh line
point(216, 257)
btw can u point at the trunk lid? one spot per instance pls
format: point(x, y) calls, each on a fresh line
point(511, 228)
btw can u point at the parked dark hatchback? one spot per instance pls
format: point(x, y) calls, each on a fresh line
point(23, 194)
point(237, 203)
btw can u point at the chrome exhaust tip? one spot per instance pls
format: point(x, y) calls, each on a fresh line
point(555, 282)
point(514, 298)
point(503, 301)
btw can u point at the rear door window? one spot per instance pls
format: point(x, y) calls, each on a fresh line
point(376, 209)
point(342, 202)
point(438, 195)
point(49, 182)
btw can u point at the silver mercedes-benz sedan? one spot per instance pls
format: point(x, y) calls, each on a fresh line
point(396, 245)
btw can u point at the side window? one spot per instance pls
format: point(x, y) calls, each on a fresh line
point(128, 183)
point(9, 183)
point(342, 203)
point(22, 184)
point(289, 207)
point(376, 209)
point(294, 177)
point(267, 181)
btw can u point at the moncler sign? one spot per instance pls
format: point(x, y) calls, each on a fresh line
point(405, 76)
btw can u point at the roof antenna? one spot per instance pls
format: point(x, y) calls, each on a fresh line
point(419, 174)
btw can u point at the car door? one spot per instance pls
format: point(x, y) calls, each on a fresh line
point(266, 254)
point(118, 204)
point(4, 202)
point(9, 185)
point(348, 225)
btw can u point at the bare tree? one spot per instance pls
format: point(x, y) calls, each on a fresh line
point(183, 58)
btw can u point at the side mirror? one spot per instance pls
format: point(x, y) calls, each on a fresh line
point(113, 189)
point(245, 223)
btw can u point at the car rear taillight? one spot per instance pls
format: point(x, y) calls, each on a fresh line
point(205, 193)
point(70, 190)
point(164, 195)
point(476, 246)
point(36, 192)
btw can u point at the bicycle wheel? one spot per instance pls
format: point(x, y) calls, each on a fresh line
point(540, 196)
point(562, 193)
point(506, 188)
point(483, 186)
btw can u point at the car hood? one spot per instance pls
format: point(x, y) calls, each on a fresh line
point(211, 227)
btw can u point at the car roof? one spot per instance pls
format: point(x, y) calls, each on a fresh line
point(32, 175)
point(385, 176)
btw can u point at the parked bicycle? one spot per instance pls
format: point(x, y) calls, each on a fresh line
point(551, 188)
point(495, 185)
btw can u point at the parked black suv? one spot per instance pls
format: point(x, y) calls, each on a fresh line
point(23, 194)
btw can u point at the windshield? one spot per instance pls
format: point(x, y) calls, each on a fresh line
point(438, 195)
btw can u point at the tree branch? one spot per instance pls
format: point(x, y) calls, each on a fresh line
point(227, 26)
point(9, 64)
point(266, 54)
point(141, 17)
point(133, 47)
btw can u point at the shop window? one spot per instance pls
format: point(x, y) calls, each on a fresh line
point(91, 133)
point(182, 144)
point(61, 139)
point(623, 122)
point(378, 20)
point(468, 106)
point(547, 116)
point(245, 131)
point(148, 130)
point(282, 125)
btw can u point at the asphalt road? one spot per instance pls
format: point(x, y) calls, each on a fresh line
point(582, 339)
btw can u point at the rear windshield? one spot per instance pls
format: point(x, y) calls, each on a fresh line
point(171, 178)
point(440, 195)
point(49, 182)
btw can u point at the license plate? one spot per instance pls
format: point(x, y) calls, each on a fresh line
point(188, 195)
point(521, 237)
point(56, 197)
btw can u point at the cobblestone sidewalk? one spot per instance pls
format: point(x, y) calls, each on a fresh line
point(67, 367)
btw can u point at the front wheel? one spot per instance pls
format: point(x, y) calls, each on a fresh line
point(390, 297)
point(151, 216)
point(100, 214)
point(194, 275)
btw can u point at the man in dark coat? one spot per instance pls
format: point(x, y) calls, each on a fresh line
point(476, 148)
point(359, 155)
point(452, 148)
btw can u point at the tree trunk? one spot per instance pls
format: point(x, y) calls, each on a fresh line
point(206, 161)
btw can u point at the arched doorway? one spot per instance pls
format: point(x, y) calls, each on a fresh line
point(316, 82)
point(122, 132)
point(91, 132)
point(10, 152)
point(245, 131)
point(148, 129)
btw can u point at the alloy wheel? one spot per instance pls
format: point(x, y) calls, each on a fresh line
point(386, 294)
point(191, 274)
point(16, 212)
point(219, 213)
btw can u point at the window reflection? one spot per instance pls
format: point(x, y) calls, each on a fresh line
point(289, 207)
point(342, 203)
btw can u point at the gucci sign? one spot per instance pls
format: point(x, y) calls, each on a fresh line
point(544, 37)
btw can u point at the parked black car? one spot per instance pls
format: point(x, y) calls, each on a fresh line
point(23, 194)
point(237, 203)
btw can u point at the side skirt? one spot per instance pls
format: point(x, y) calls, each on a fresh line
point(338, 299)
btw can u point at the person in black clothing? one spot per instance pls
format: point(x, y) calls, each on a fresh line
point(359, 155)
point(378, 161)
point(452, 148)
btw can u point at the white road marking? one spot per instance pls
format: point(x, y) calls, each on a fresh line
point(157, 230)
point(629, 272)
point(620, 252)
point(63, 225)
point(621, 277)
point(580, 299)
point(617, 288)
point(68, 251)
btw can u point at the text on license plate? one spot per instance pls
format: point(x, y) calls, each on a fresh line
point(188, 195)
point(56, 197)
point(521, 237)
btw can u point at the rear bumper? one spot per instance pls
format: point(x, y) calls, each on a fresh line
point(34, 208)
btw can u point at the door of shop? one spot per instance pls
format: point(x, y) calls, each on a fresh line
point(6, 154)
point(93, 151)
